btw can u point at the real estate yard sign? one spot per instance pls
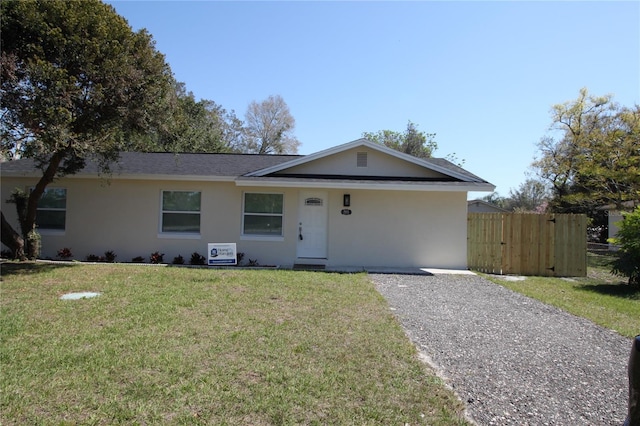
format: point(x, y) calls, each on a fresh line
point(222, 254)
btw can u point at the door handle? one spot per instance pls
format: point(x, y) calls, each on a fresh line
point(300, 237)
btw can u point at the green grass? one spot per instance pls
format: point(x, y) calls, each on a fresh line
point(600, 297)
point(165, 345)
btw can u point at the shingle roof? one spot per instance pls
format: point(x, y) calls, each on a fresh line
point(187, 164)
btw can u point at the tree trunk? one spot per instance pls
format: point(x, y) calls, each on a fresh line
point(28, 219)
point(12, 239)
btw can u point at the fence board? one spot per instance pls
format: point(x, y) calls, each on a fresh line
point(527, 244)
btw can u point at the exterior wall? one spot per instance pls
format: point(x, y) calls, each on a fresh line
point(399, 228)
point(378, 164)
point(386, 228)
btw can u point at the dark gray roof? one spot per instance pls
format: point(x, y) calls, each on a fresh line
point(187, 164)
point(210, 165)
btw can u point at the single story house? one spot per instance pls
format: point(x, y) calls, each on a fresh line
point(481, 206)
point(359, 204)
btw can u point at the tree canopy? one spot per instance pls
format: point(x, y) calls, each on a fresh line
point(592, 155)
point(269, 128)
point(411, 141)
point(77, 83)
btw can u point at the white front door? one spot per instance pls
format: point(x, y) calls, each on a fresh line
point(312, 225)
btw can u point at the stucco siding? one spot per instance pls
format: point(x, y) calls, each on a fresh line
point(399, 228)
point(378, 164)
point(385, 228)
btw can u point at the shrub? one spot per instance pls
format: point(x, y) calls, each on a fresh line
point(138, 259)
point(197, 259)
point(178, 260)
point(93, 258)
point(110, 256)
point(627, 262)
point(239, 257)
point(65, 253)
point(156, 257)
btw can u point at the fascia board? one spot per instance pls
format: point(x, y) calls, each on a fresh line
point(397, 186)
point(129, 176)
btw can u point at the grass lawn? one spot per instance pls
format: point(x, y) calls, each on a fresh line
point(600, 297)
point(165, 345)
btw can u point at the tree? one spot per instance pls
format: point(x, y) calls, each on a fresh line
point(77, 83)
point(594, 158)
point(627, 262)
point(269, 128)
point(195, 126)
point(531, 196)
point(412, 142)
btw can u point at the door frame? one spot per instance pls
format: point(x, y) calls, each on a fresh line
point(302, 197)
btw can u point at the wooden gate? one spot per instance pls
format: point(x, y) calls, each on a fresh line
point(528, 244)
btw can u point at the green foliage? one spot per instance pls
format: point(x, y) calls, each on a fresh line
point(411, 141)
point(591, 157)
point(627, 263)
point(77, 82)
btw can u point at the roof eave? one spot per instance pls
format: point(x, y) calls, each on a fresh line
point(367, 185)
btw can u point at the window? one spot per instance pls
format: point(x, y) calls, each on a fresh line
point(52, 209)
point(263, 214)
point(181, 212)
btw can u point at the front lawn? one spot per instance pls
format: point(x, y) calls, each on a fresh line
point(600, 297)
point(168, 345)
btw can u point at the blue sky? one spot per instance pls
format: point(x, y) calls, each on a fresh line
point(481, 75)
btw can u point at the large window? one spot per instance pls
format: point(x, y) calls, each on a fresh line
point(52, 209)
point(181, 212)
point(262, 214)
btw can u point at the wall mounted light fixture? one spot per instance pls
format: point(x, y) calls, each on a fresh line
point(346, 200)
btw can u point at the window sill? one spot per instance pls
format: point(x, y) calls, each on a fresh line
point(261, 238)
point(179, 236)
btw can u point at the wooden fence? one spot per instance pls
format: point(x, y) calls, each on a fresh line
point(528, 244)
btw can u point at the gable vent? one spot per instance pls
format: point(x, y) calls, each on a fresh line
point(361, 159)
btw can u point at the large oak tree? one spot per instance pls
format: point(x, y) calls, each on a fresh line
point(77, 84)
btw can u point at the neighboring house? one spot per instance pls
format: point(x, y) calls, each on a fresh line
point(359, 204)
point(480, 206)
point(614, 216)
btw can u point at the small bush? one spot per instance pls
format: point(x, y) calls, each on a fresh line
point(197, 259)
point(178, 260)
point(627, 263)
point(93, 258)
point(239, 257)
point(110, 256)
point(138, 259)
point(156, 257)
point(65, 253)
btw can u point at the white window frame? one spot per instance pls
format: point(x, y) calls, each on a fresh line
point(180, 235)
point(52, 231)
point(258, 237)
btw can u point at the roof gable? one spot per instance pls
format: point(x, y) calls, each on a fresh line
point(379, 161)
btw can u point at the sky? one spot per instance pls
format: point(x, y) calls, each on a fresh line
point(482, 76)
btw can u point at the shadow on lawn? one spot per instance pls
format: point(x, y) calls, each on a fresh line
point(623, 290)
point(20, 268)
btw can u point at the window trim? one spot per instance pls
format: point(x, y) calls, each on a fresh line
point(261, 237)
point(52, 231)
point(182, 235)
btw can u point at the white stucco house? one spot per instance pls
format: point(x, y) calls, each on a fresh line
point(359, 204)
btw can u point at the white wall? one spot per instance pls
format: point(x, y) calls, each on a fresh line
point(386, 228)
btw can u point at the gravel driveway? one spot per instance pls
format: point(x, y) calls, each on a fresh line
point(511, 359)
